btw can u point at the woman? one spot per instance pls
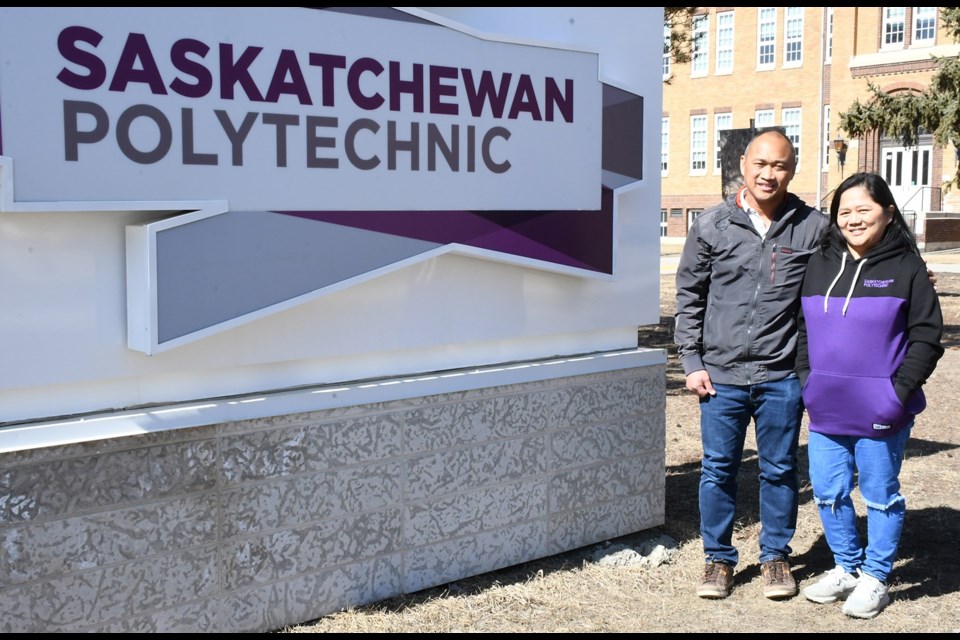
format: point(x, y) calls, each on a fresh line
point(869, 338)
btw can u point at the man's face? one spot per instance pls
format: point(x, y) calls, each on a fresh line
point(767, 169)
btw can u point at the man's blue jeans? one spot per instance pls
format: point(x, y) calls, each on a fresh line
point(776, 409)
point(878, 462)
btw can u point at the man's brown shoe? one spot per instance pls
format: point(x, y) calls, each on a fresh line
point(778, 582)
point(717, 580)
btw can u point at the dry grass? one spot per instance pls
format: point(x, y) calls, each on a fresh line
point(579, 592)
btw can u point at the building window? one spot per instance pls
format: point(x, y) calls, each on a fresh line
point(698, 145)
point(666, 50)
point(767, 38)
point(826, 137)
point(791, 126)
point(762, 118)
point(664, 146)
point(725, 42)
point(893, 29)
point(793, 37)
point(924, 25)
point(721, 122)
point(829, 48)
point(692, 214)
point(701, 46)
point(663, 223)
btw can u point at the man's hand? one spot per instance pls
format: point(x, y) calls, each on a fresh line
point(931, 275)
point(699, 383)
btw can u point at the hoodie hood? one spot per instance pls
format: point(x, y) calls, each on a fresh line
point(891, 245)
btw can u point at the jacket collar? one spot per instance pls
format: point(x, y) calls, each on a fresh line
point(791, 203)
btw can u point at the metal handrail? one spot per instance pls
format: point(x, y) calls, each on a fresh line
point(915, 194)
point(825, 197)
point(903, 209)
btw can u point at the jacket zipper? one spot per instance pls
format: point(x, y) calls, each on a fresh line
point(773, 265)
point(753, 304)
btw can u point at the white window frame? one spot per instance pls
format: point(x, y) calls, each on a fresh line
point(894, 22)
point(766, 28)
point(793, 37)
point(664, 223)
point(700, 53)
point(667, 27)
point(665, 146)
point(721, 122)
point(828, 58)
point(763, 118)
point(725, 41)
point(919, 26)
point(792, 119)
point(698, 145)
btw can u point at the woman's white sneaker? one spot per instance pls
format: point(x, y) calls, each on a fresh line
point(834, 585)
point(868, 598)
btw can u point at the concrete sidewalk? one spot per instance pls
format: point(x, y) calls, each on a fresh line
point(946, 261)
point(670, 249)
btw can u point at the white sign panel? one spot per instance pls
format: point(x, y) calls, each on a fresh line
point(292, 108)
point(201, 203)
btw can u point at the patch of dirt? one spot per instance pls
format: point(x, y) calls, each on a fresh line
point(644, 582)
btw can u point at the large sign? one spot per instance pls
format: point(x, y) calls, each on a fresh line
point(337, 148)
point(277, 197)
point(292, 109)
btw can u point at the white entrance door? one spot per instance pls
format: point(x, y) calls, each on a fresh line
point(908, 170)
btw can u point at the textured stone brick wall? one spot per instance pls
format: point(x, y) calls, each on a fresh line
point(253, 525)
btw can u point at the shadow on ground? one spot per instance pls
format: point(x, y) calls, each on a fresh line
point(927, 573)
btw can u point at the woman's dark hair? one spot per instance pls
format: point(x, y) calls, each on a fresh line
point(878, 190)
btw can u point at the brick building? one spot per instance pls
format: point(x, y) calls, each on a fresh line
point(799, 68)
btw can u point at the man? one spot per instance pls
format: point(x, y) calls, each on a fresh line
point(738, 291)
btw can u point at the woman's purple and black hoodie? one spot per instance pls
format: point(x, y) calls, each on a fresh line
point(869, 338)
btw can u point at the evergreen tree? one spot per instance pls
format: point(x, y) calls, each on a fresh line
point(680, 22)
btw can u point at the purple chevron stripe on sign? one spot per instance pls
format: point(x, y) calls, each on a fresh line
point(578, 239)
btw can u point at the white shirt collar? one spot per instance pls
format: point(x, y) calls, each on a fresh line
point(753, 214)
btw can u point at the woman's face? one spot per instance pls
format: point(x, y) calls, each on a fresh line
point(861, 220)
